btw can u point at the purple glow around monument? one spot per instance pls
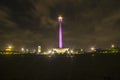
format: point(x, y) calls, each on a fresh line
point(60, 31)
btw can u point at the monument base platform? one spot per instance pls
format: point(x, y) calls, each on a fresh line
point(61, 50)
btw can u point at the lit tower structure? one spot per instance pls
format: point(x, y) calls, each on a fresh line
point(60, 31)
point(60, 49)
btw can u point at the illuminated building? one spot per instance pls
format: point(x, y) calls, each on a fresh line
point(8, 50)
point(39, 49)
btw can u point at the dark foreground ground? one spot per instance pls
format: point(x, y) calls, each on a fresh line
point(79, 67)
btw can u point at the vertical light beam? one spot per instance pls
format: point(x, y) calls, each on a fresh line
point(60, 36)
point(60, 31)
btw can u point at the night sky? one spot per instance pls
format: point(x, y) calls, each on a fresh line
point(29, 23)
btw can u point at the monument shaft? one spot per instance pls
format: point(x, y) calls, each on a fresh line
point(60, 35)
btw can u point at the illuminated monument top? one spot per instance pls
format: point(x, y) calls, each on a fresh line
point(60, 19)
point(60, 31)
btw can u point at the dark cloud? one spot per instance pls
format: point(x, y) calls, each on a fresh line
point(85, 23)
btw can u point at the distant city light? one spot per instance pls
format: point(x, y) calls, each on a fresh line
point(81, 50)
point(92, 48)
point(72, 51)
point(112, 45)
point(34, 50)
point(39, 49)
point(53, 52)
point(22, 49)
point(49, 51)
point(10, 47)
point(27, 50)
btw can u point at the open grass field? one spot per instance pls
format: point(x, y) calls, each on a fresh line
point(77, 67)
